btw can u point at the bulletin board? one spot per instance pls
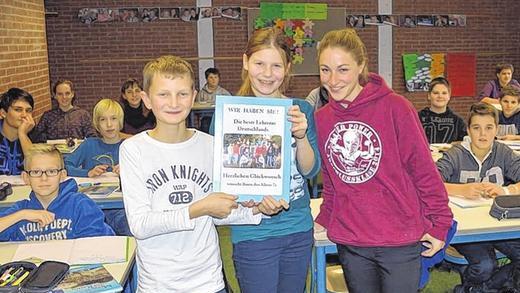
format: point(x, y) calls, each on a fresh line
point(336, 19)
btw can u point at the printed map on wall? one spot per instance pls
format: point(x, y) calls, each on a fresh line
point(420, 69)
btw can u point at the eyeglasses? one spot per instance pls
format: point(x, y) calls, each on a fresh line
point(39, 173)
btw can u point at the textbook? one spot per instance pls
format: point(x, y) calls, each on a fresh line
point(88, 279)
point(97, 190)
point(76, 251)
point(252, 147)
point(470, 203)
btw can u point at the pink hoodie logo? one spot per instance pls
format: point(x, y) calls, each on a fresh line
point(354, 150)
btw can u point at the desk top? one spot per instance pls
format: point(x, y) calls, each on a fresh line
point(473, 224)
point(114, 200)
point(119, 271)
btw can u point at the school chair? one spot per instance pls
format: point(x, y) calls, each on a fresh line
point(429, 262)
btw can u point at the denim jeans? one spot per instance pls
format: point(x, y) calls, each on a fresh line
point(116, 218)
point(277, 264)
point(482, 264)
point(381, 269)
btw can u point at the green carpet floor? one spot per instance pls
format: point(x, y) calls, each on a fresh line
point(440, 281)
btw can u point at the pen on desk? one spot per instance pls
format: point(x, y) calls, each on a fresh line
point(17, 282)
point(15, 275)
point(6, 274)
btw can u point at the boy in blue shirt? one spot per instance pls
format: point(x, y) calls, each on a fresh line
point(16, 106)
point(98, 155)
point(55, 210)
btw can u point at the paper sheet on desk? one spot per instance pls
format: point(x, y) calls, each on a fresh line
point(13, 179)
point(108, 177)
point(470, 203)
point(513, 144)
point(76, 251)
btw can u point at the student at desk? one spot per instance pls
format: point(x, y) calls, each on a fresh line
point(208, 93)
point(504, 77)
point(482, 167)
point(440, 123)
point(137, 117)
point(55, 210)
point(16, 106)
point(66, 120)
point(509, 117)
point(98, 155)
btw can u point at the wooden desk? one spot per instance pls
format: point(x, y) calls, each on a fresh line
point(113, 201)
point(200, 109)
point(120, 271)
point(474, 225)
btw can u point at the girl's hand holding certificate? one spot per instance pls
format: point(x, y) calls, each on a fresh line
point(268, 205)
point(299, 122)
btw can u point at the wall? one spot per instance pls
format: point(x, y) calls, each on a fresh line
point(99, 57)
point(23, 50)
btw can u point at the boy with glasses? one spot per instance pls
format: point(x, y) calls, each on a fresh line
point(55, 210)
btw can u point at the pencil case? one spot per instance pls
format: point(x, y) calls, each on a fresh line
point(505, 207)
point(41, 278)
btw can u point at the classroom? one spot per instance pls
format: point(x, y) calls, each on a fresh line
point(74, 70)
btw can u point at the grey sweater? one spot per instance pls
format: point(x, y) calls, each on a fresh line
point(500, 166)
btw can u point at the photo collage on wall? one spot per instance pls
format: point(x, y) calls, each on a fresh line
point(409, 21)
point(152, 14)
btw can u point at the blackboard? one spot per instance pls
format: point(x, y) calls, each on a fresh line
point(336, 19)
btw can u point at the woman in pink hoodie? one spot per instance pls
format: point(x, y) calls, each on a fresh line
point(383, 196)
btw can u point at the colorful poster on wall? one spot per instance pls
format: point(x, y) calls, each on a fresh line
point(420, 69)
point(462, 73)
point(274, 10)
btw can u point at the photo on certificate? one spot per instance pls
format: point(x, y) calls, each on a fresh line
point(252, 147)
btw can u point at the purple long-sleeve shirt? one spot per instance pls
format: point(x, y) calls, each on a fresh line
point(492, 89)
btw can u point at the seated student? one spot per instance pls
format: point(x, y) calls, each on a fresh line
point(137, 116)
point(440, 124)
point(16, 106)
point(208, 94)
point(491, 91)
point(509, 117)
point(66, 120)
point(482, 167)
point(97, 155)
point(212, 88)
point(55, 210)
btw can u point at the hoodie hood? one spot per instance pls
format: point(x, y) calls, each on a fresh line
point(66, 187)
point(375, 89)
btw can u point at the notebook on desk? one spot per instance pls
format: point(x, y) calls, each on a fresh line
point(470, 203)
point(91, 250)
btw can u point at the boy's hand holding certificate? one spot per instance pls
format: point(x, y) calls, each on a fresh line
point(253, 147)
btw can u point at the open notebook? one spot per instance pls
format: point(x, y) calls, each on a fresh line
point(470, 203)
point(113, 249)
